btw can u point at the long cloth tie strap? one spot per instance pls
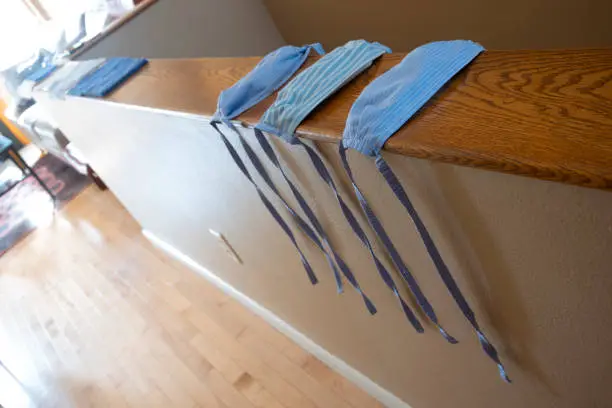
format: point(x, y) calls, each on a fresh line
point(357, 229)
point(395, 256)
point(281, 222)
point(443, 271)
point(348, 274)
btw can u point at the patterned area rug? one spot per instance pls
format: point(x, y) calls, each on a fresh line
point(27, 205)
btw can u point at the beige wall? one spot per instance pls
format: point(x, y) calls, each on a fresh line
point(533, 257)
point(191, 29)
point(211, 28)
point(405, 24)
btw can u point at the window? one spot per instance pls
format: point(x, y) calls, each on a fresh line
point(28, 25)
point(19, 29)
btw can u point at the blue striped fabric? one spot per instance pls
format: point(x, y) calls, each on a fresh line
point(316, 83)
point(393, 98)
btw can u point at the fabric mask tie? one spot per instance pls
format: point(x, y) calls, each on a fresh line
point(270, 74)
point(301, 223)
point(267, 203)
point(304, 93)
point(382, 108)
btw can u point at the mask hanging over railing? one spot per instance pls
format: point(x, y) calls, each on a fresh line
point(295, 101)
point(269, 75)
point(381, 109)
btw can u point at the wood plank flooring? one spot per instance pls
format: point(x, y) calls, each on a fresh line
point(91, 315)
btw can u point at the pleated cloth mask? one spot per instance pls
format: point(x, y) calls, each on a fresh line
point(382, 108)
point(294, 102)
point(270, 74)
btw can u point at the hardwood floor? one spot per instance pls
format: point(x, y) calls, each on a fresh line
point(91, 315)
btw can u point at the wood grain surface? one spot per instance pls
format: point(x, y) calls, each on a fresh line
point(107, 320)
point(542, 114)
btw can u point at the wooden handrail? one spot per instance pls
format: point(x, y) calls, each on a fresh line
point(542, 114)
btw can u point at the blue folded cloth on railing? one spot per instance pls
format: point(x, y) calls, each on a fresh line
point(41, 73)
point(109, 76)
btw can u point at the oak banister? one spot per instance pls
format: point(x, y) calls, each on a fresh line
point(542, 114)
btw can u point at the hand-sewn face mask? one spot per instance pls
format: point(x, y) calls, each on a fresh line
point(317, 83)
point(381, 109)
point(304, 93)
point(269, 75)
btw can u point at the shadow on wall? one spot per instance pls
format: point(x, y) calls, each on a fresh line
point(490, 279)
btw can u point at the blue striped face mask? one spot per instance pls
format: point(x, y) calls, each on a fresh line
point(269, 75)
point(317, 83)
point(382, 108)
point(304, 93)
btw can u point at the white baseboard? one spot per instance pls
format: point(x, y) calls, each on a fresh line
point(383, 396)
